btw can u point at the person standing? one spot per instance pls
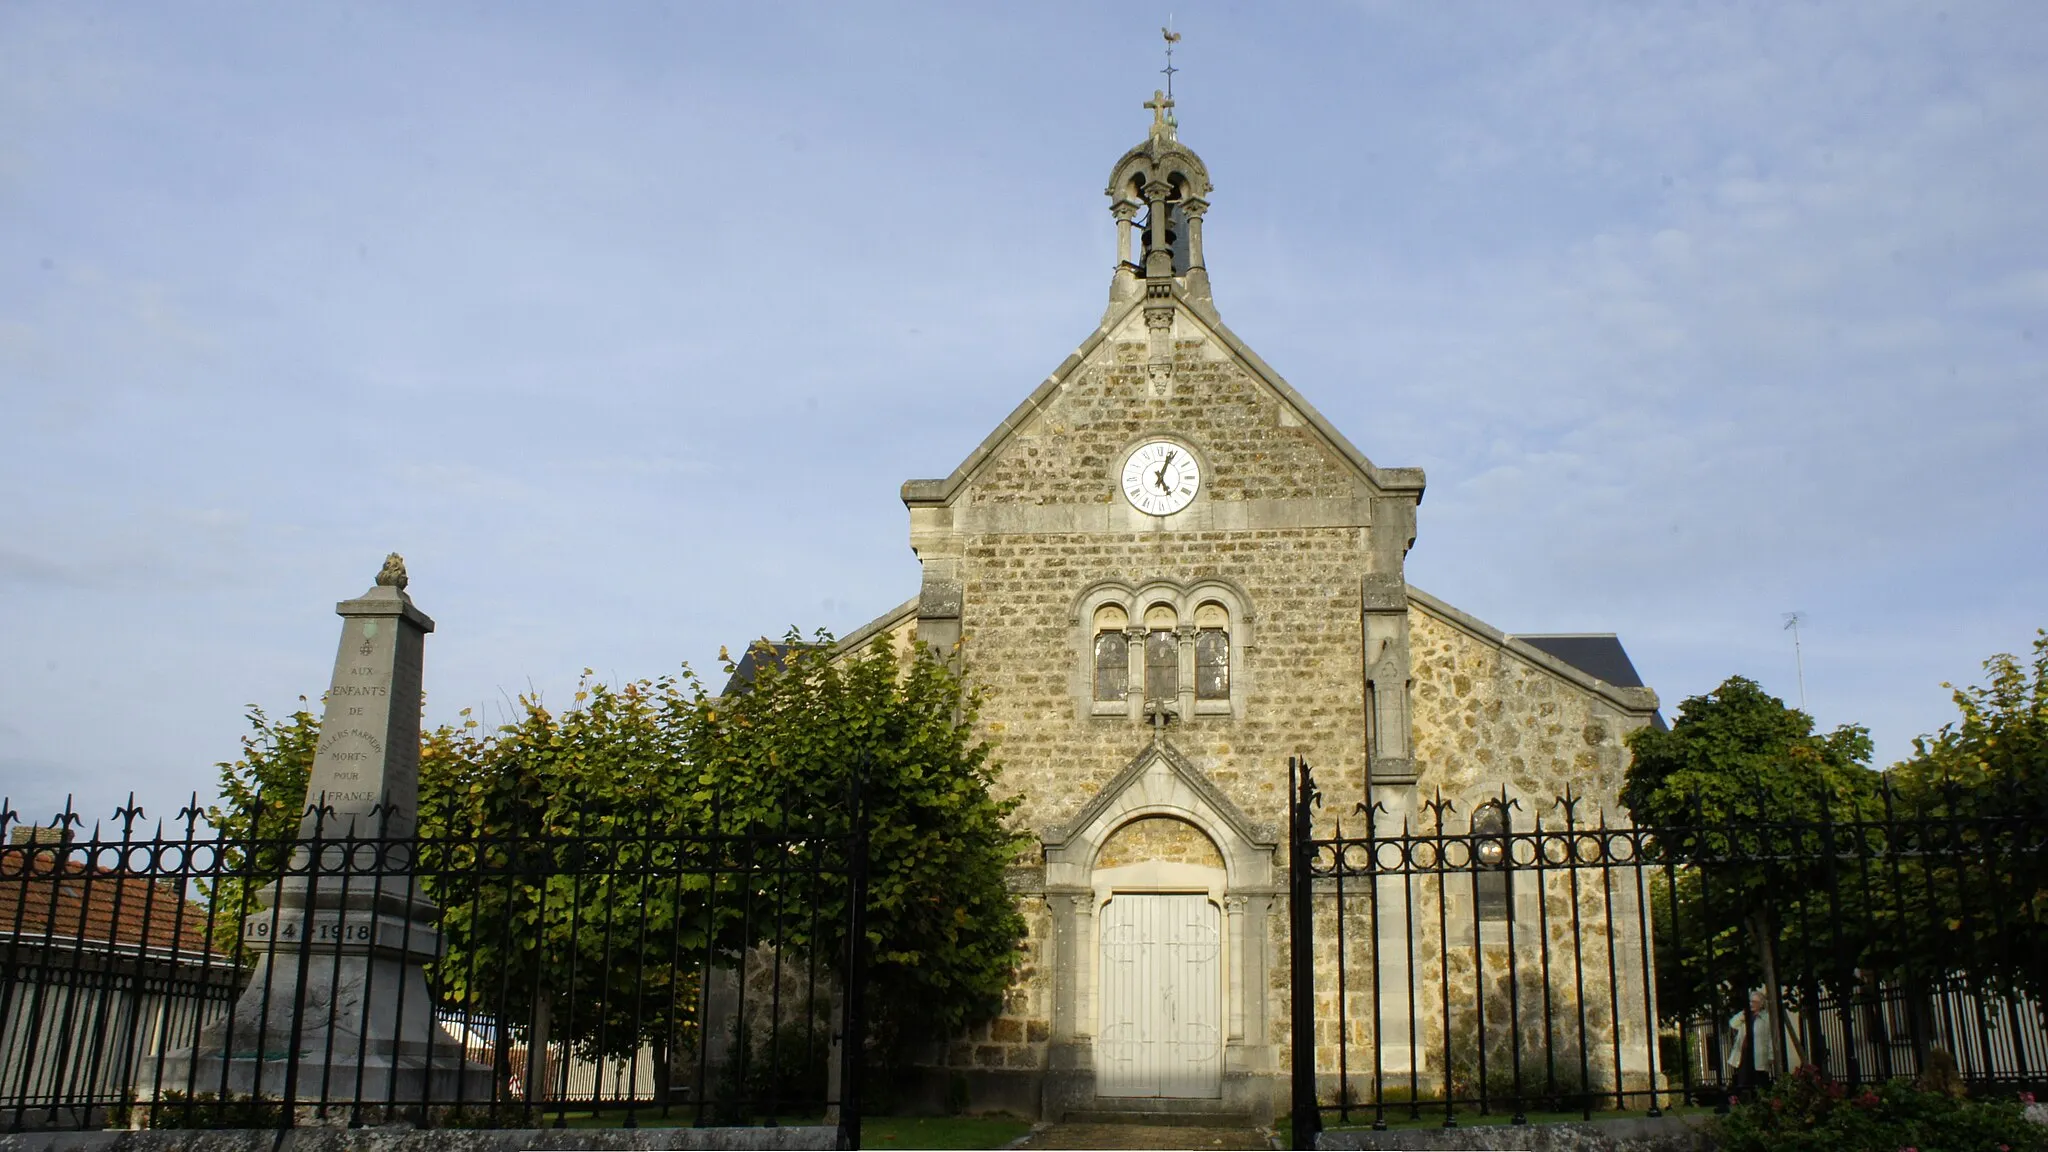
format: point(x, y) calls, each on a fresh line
point(1753, 1046)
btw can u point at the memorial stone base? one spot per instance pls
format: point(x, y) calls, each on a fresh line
point(336, 1011)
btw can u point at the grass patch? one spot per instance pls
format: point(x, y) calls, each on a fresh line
point(940, 1131)
point(875, 1131)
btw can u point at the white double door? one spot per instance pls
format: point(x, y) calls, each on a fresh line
point(1162, 992)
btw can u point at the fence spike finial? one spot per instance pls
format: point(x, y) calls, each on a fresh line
point(128, 814)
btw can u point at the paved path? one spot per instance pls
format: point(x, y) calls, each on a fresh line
point(1143, 1136)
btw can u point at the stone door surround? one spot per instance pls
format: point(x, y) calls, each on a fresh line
point(1160, 781)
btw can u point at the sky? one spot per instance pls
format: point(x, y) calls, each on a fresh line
point(624, 323)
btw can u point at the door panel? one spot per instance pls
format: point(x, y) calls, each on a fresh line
point(1162, 984)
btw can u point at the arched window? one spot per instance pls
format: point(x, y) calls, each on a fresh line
point(1112, 653)
point(1212, 652)
point(1162, 654)
point(1490, 860)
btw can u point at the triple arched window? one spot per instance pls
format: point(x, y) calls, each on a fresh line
point(1180, 646)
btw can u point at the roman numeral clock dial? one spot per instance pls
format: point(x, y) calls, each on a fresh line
point(1161, 478)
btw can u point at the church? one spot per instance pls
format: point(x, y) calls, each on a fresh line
point(1171, 574)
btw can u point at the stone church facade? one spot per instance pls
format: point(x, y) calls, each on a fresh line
point(1171, 574)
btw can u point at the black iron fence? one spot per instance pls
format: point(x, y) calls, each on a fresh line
point(1523, 959)
point(627, 969)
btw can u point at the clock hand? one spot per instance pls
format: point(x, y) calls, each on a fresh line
point(1159, 477)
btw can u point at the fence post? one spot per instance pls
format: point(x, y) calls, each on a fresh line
point(1301, 798)
point(853, 1015)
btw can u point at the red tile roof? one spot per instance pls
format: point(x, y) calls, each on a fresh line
point(45, 895)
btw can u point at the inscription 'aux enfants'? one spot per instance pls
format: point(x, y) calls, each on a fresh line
point(361, 764)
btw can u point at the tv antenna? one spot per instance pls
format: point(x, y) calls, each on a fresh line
point(1172, 38)
point(1792, 622)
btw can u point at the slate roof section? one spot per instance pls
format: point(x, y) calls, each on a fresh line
point(757, 655)
point(1597, 654)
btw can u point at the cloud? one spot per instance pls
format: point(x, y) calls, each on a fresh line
point(1694, 316)
point(19, 567)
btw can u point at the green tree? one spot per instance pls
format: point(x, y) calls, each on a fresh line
point(262, 797)
point(542, 844)
point(943, 930)
point(558, 860)
point(1988, 772)
point(1744, 797)
point(1997, 750)
point(559, 846)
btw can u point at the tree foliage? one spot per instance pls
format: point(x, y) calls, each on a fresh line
point(1996, 751)
point(1979, 787)
point(262, 797)
point(943, 928)
point(588, 862)
point(1738, 754)
point(563, 902)
point(1741, 791)
point(1787, 864)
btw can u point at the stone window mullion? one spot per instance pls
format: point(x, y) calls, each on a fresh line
point(1185, 699)
point(1134, 699)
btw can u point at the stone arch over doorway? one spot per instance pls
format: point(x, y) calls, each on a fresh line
point(1160, 828)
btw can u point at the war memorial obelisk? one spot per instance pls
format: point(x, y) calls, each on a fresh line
point(337, 1008)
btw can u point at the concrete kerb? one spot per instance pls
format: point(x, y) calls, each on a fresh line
point(1632, 1134)
point(427, 1140)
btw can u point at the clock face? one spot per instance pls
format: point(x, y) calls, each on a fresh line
point(1161, 478)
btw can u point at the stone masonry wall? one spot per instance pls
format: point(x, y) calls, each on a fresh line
point(1016, 1038)
point(1041, 520)
point(1484, 717)
point(1160, 838)
point(1072, 451)
point(1303, 691)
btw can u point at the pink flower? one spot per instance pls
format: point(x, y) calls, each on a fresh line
point(2026, 1097)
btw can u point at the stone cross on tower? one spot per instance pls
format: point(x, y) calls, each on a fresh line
point(1159, 104)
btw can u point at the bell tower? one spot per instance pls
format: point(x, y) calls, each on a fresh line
point(1159, 190)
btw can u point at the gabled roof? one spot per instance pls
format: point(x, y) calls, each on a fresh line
point(49, 898)
point(1631, 697)
point(928, 492)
